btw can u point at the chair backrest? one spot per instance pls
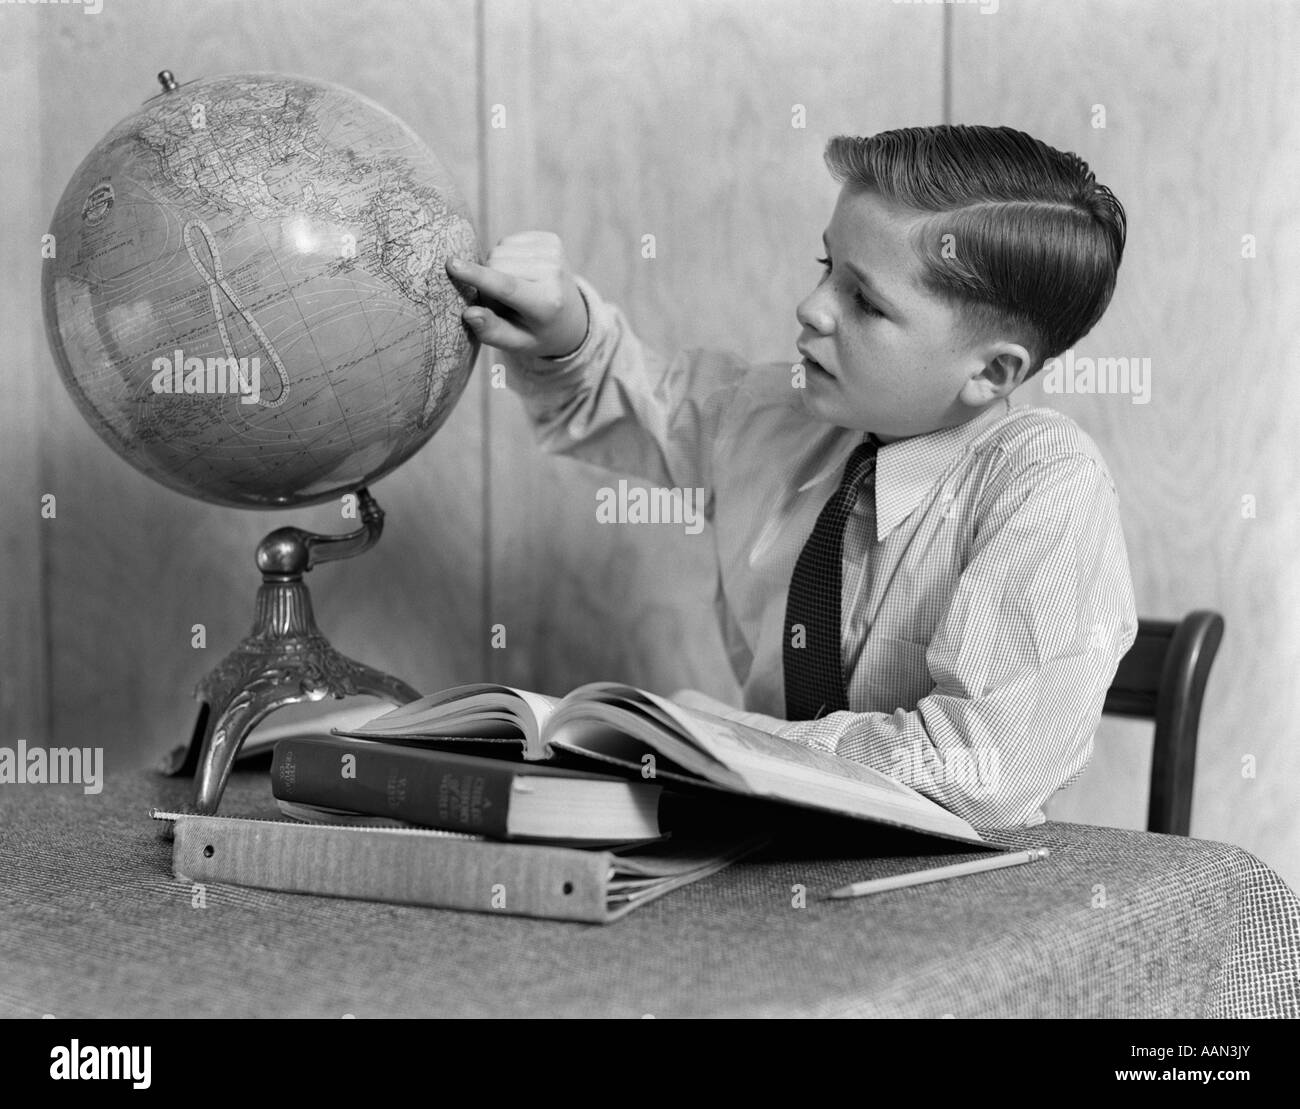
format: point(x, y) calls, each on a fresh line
point(1162, 678)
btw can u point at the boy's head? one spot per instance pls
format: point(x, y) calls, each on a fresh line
point(958, 260)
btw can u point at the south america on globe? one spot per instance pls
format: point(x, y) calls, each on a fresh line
point(247, 297)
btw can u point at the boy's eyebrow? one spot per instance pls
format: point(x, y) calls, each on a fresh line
point(864, 279)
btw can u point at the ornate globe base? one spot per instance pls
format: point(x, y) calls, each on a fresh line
point(284, 660)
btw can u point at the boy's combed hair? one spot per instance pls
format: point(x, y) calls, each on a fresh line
point(1035, 240)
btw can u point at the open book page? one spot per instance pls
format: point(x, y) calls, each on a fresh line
point(729, 753)
point(475, 711)
point(621, 724)
point(319, 718)
point(702, 702)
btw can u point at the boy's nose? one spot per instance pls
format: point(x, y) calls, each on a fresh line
point(813, 316)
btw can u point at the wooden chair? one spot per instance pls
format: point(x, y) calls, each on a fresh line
point(1162, 678)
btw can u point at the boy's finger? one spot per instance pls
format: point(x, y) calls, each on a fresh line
point(493, 331)
point(504, 288)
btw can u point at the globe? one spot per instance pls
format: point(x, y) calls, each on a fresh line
point(246, 294)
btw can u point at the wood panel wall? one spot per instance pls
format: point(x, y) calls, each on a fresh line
point(24, 627)
point(675, 119)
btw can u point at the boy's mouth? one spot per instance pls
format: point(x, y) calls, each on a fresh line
point(812, 364)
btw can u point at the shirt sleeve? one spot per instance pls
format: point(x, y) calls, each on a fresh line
point(1022, 659)
point(615, 403)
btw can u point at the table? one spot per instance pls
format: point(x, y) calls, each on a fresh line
point(1115, 924)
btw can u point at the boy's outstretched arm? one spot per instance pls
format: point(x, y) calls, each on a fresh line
point(589, 386)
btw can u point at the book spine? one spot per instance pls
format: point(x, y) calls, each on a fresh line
point(404, 866)
point(404, 783)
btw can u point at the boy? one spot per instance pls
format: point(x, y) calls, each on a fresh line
point(913, 574)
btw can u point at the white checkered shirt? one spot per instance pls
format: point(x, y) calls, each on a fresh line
point(986, 599)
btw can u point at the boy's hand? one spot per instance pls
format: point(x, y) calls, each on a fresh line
point(528, 302)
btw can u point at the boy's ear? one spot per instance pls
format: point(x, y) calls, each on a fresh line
point(1004, 367)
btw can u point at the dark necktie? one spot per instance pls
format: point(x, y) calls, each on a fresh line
point(814, 672)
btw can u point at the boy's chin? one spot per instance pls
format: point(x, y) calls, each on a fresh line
point(825, 408)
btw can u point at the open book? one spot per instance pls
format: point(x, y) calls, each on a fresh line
point(655, 738)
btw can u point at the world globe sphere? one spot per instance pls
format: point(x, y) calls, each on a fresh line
point(245, 290)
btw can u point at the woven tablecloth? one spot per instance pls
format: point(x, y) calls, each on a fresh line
point(1114, 924)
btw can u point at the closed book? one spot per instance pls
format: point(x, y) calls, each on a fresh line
point(462, 792)
point(418, 866)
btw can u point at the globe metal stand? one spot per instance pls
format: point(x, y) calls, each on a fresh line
point(284, 660)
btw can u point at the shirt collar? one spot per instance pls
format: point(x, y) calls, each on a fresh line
point(908, 468)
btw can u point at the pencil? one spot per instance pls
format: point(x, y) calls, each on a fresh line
point(938, 874)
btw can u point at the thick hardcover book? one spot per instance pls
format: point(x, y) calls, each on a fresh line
point(622, 729)
point(446, 870)
point(462, 792)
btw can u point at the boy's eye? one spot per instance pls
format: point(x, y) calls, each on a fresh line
point(862, 302)
point(866, 305)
